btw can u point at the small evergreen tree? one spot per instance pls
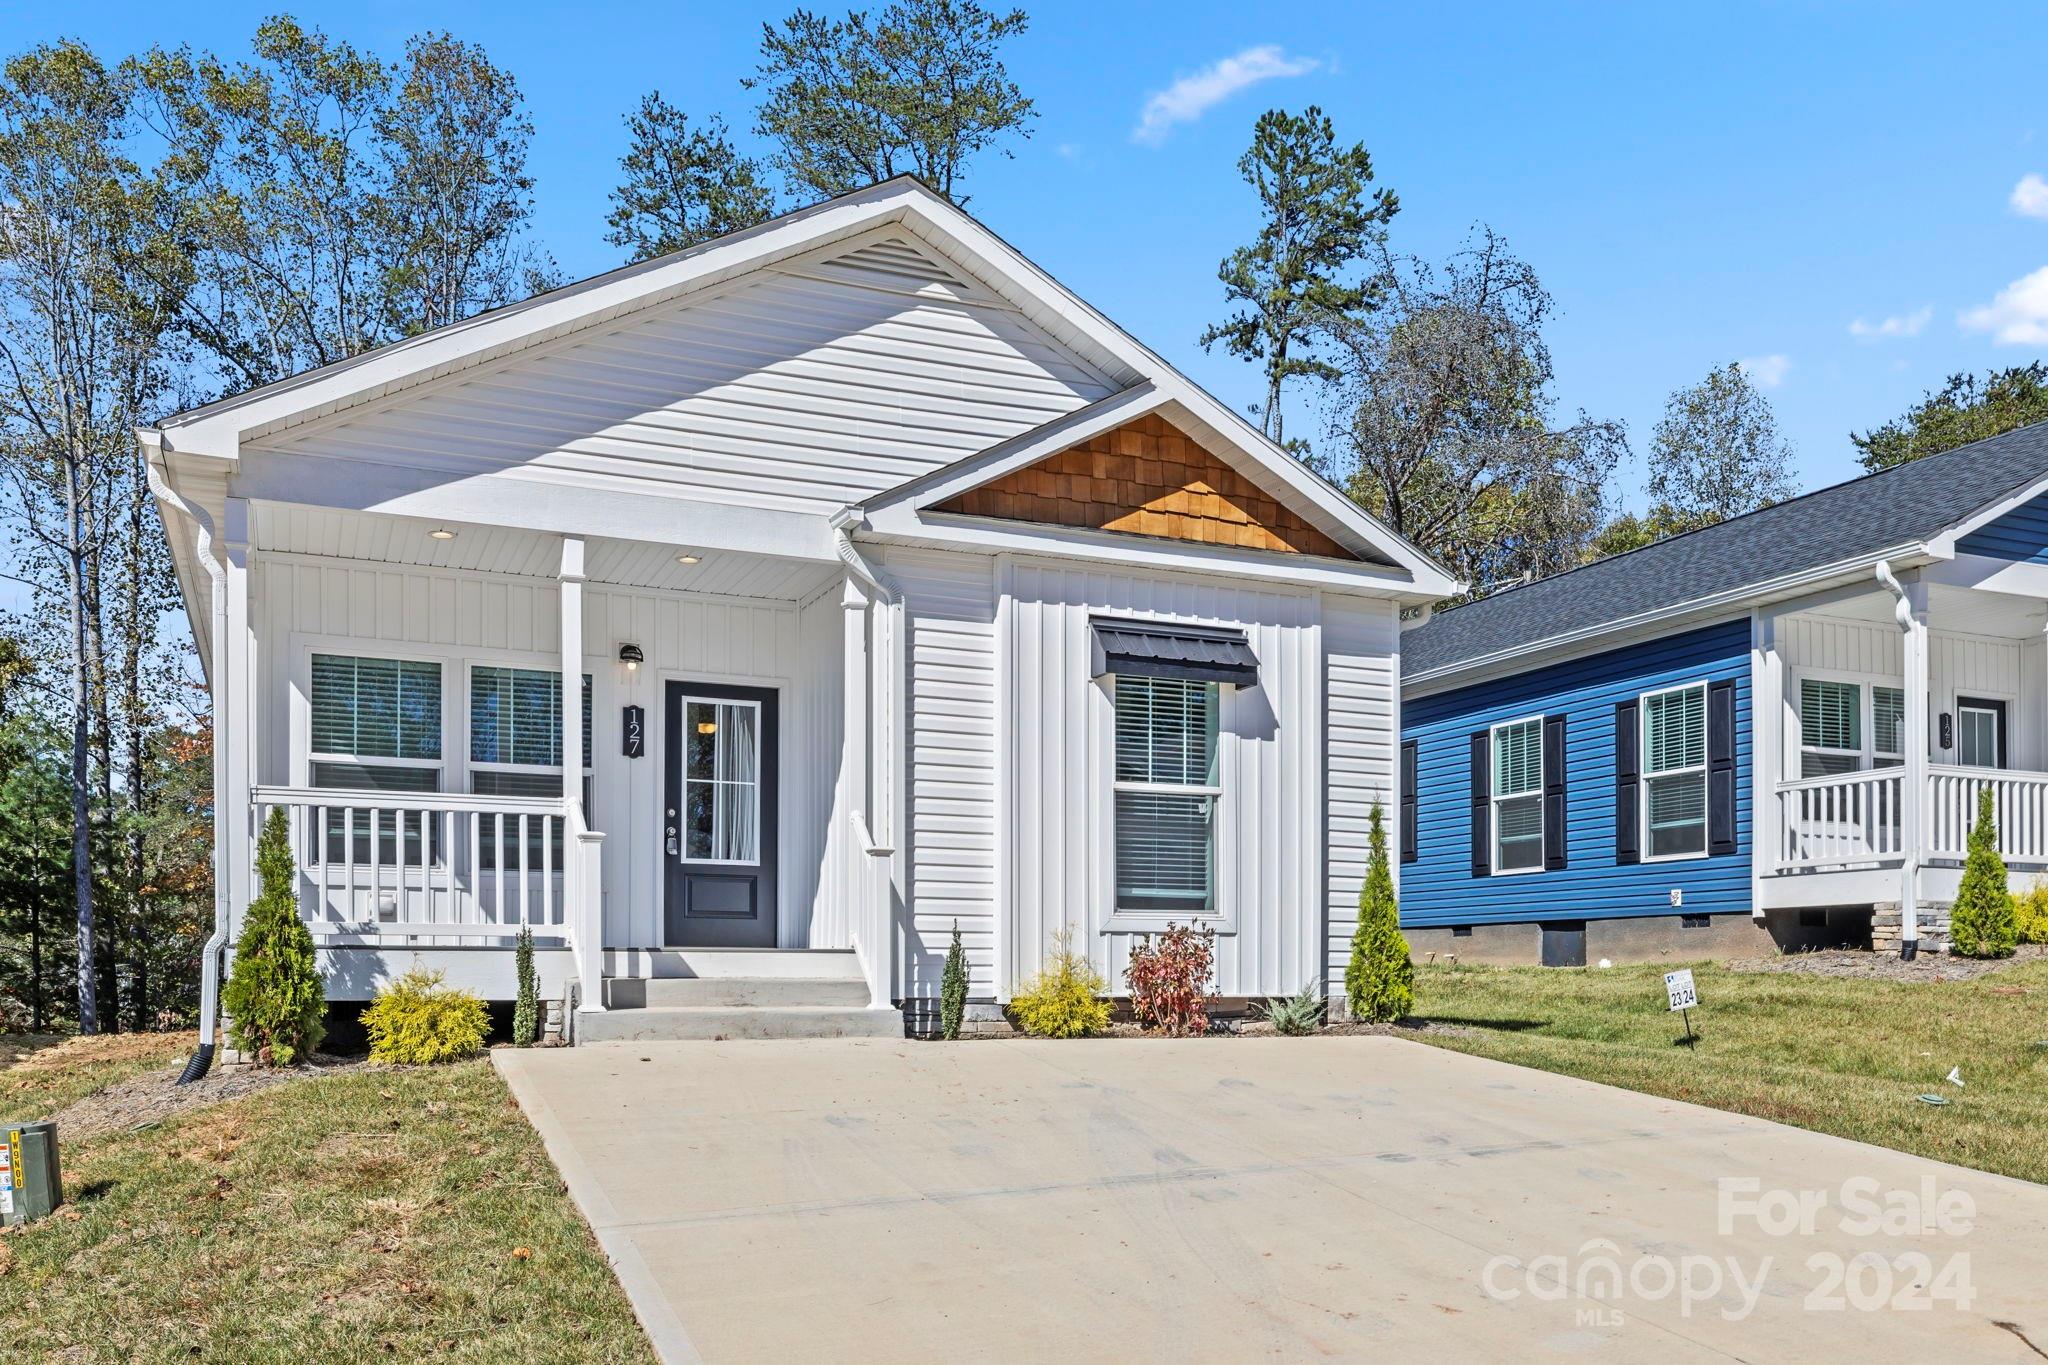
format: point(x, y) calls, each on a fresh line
point(526, 1013)
point(1379, 981)
point(274, 998)
point(953, 989)
point(1983, 923)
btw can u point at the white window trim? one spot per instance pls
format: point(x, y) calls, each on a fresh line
point(1494, 798)
point(1866, 707)
point(683, 777)
point(1150, 919)
point(1643, 774)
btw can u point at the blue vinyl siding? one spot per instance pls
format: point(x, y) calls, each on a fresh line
point(2021, 534)
point(1439, 888)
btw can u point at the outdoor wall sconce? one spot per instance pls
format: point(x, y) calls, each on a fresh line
point(631, 657)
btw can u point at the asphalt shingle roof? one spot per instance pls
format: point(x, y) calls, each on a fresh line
point(1906, 504)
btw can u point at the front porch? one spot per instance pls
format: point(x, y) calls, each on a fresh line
point(1884, 713)
point(408, 712)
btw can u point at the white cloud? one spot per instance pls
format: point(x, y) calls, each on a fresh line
point(1904, 325)
point(1190, 97)
point(2030, 196)
point(1768, 371)
point(2018, 316)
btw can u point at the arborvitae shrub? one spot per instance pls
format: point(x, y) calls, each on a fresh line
point(526, 1012)
point(1982, 923)
point(1379, 981)
point(274, 998)
point(953, 989)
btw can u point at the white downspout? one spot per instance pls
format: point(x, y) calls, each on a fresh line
point(209, 959)
point(1913, 795)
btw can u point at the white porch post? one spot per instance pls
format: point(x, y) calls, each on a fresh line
point(582, 849)
point(1912, 616)
point(853, 764)
point(1766, 753)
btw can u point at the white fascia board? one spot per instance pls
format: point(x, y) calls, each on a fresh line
point(531, 500)
point(1520, 658)
point(1944, 544)
point(990, 536)
point(218, 429)
point(1986, 573)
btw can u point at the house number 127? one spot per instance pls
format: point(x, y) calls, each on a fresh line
point(634, 732)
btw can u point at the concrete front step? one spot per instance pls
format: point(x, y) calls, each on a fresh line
point(641, 992)
point(658, 963)
point(687, 1023)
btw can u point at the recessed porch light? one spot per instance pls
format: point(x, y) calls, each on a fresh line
point(441, 533)
point(687, 558)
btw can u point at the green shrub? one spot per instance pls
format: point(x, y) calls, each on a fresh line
point(2030, 913)
point(1294, 1015)
point(1379, 981)
point(953, 989)
point(526, 1012)
point(417, 1020)
point(1065, 999)
point(274, 997)
point(1982, 923)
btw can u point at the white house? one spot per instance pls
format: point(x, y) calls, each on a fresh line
point(904, 590)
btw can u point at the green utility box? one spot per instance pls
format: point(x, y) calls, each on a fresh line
point(31, 1184)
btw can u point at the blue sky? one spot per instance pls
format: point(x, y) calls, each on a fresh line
point(1737, 182)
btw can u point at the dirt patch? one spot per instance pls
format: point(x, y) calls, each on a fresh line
point(152, 1098)
point(1870, 966)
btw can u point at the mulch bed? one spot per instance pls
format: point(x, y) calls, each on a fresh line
point(1888, 966)
point(150, 1099)
point(1241, 1027)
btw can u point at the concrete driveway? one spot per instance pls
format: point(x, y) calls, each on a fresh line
point(1254, 1198)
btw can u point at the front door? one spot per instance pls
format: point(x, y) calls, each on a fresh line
point(718, 837)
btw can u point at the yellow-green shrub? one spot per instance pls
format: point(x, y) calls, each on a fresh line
point(1065, 999)
point(416, 1020)
point(2030, 908)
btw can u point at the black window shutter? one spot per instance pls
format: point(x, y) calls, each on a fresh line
point(1482, 795)
point(1408, 802)
point(1721, 768)
point(1627, 773)
point(1553, 793)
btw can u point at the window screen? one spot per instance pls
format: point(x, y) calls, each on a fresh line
point(1675, 772)
point(515, 717)
point(1518, 796)
point(1830, 727)
point(376, 708)
point(1165, 795)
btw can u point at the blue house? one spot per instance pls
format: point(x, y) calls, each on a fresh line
point(1769, 733)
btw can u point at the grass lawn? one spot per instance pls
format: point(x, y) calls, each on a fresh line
point(357, 1214)
point(1838, 1056)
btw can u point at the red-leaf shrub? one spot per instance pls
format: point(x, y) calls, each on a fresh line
point(1169, 979)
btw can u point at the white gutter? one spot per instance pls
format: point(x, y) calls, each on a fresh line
point(209, 959)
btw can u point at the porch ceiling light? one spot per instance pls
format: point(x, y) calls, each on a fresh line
point(441, 533)
point(631, 657)
point(686, 557)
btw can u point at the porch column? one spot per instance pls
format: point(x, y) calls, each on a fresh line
point(1766, 753)
point(572, 668)
point(582, 849)
point(854, 730)
point(1912, 617)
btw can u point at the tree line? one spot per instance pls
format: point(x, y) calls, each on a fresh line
point(177, 225)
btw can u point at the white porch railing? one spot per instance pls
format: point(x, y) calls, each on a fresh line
point(430, 865)
point(1841, 820)
point(873, 914)
point(2019, 805)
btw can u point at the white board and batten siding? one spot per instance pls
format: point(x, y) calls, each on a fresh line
point(1011, 810)
point(301, 604)
point(803, 389)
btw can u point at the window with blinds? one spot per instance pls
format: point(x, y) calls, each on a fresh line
point(1887, 727)
point(1675, 772)
point(1831, 727)
point(515, 749)
point(376, 727)
point(1518, 796)
point(1165, 795)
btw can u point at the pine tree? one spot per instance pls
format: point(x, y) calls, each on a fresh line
point(526, 1013)
point(274, 998)
point(1379, 982)
point(953, 989)
point(1983, 923)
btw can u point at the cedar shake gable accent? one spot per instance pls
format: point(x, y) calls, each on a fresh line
point(1148, 478)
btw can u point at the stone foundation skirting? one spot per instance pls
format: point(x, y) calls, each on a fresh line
point(1887, 926)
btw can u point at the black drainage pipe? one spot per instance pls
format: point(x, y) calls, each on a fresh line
point(200, 1063)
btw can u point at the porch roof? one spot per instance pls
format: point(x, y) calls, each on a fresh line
point(1897, 512)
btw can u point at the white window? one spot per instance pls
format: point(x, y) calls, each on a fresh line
point(376, 726)
point(1675, 773)
point(1977, 732)
point(1165, 794)
point(1845, 727)
point(1518, 796)
point(721, 780)
point(515, 749)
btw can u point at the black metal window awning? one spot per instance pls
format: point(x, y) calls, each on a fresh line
point(1156, 649)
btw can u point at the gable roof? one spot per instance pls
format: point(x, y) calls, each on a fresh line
point(1916, 508)
point(904, 205)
